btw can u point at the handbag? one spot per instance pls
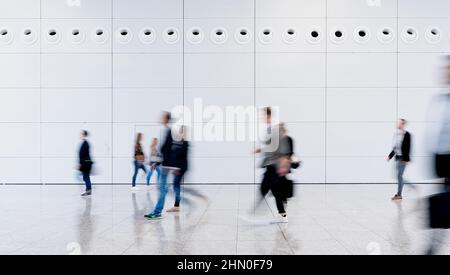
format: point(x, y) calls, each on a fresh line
point(439, 211)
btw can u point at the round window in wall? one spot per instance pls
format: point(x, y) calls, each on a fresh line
point(147, 35)
point(76, 36)
point(386, 35)
point(362, 35)
point(6, 37)
point(219, 36)
point(100, 36)
point(410, 35)
point(29, 37)
point(53, 36)
point(290, 36)
point(314, 36)
point(433, 35)
point(171, 35)
point(195, 35)
point(124, 36)
point(243, 36)
point(266, 36)
point(337, 35)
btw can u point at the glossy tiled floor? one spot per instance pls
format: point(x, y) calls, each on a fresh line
point(332, 219)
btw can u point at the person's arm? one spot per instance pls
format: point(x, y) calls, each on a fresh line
point(391, 155)
point(407, 148)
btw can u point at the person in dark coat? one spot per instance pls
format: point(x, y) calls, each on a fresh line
point(85, 163)
point(180, 148)
point(401, 151)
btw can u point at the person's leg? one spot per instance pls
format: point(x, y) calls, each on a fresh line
point(158, 173)
point(150, 173)
point(177, 190)
point(136, 169)
point(400, 171)
point(280, 205)
point(87, 181)
point(162, 193)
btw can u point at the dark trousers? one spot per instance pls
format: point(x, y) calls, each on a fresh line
point(177, 189)
point(269, 184)
point(87, 181)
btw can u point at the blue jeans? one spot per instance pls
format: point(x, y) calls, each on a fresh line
point(137, 165)
point(177, 189)
point(150, 172)
point(87, 181)
point(401, 166)
point(162, 192)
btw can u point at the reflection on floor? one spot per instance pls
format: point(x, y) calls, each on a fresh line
point(332, 219)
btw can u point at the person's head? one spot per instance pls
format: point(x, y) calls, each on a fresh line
point(138, 137)
point(165, 118)
point(402, 124)
point(154, 142)
point(84, 134)
point(267, 114)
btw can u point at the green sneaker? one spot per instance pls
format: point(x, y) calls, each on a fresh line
point(153, 216)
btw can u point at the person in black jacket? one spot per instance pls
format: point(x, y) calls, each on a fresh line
point(85, 164)
point(180, 148)
point(401, 151)
point(166, 166)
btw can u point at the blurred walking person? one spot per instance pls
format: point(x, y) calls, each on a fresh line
point(401, 151)
point(155, 157)
point(278, 149)
point(166, 166)
point(139, 159)
point(439, 208)
point(180, 148)
point(85, 163)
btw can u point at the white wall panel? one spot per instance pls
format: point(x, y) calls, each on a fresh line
point(148, 9)
point(19, 105)
point(431, 35)
point(218, 70)
point(291, 8)
point(360, 139)
point(20, 170)
point(309, 103)
point(76, 70)
point(76, 105)
point(19, 9)
point(207, 40)
point(148, 70)
point(76, 8)
point(224, 100)
point(424, 9)
point(291, 35)
point(362, 8)
point(290, 70)
point(19, 140)
point(20, 70)
point(144, 105)
point(373, 40)
point(154, 42)
point(64, 171)
point(361, 104)
point(421, 70)
point(22, 37)
point(360, 170)
point(309, 139)
point(220, 170)
point(63, 140)
point(362, 70)
point(218, 8)
point(84, 42)
point(415, 104)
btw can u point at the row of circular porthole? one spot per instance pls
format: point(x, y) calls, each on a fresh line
point(220, 35)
